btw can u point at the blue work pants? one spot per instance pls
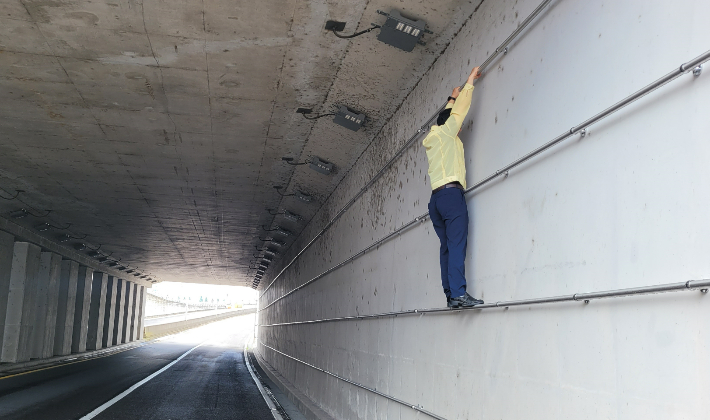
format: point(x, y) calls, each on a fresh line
point(449, 214)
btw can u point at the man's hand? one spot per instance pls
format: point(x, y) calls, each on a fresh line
point(475, 74)
point(455, 93)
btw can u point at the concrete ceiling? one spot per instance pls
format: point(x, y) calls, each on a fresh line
point(156, 128)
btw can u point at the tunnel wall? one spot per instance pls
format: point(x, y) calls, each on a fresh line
point(52, 305)
point(624, 206)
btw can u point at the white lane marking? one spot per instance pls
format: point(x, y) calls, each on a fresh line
point(120, 396)
point(272, 406)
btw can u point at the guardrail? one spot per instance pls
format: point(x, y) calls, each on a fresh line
point(701, 285)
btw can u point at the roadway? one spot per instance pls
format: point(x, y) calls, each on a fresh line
point(210, 382)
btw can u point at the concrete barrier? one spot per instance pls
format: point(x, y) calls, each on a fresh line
point(154, 331)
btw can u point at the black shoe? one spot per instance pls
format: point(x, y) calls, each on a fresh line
point(465, 301)
point(449, 303)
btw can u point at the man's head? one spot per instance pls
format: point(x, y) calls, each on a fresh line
point(443, 116)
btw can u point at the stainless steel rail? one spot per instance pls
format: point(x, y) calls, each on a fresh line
point(373, 390)
point(503, 48)
point(703, 285)
point(684, 68)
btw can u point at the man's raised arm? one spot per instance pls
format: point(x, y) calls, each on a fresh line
point(463, 101)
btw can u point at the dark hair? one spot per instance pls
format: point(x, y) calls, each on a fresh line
point(443, 116)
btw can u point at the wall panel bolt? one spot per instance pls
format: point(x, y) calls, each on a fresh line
point(505, 51)
point(697, 70)
point(586, 300)
point(704, 290)
point(583, 133)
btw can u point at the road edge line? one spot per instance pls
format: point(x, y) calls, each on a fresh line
point(269, 403)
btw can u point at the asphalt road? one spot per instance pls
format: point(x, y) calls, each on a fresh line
point(211, 382)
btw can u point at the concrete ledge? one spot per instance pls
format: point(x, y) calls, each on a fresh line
point(9, 369)
point(155, 331)
point(305, 405)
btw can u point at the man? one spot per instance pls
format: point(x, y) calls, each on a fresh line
point(447, 207)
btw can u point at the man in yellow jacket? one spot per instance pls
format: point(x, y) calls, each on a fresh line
point(447, 207)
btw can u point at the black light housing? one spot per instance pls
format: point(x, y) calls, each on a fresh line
point(302, 196)
point(321, 166)
point(352, 120)
point(292, 216)
point(19, 214)
point(402, 32)
point(43, 227)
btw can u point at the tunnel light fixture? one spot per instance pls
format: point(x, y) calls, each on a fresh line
point(79, 247)
point(292, 216)
point(93, 253)
point(112, 263)
point(346, 117)
point(306, 198)
point(402, 32)
point(64, 238)
point(278, 229)
point(120, 267)
point(398, 31)
point(267, 258)
point(101, 259)
point(19, 214)
point(129, 271)
point(43, 227)
point(314, 162)
point(272, 252)
point(320, 165)
point(273, 241)
point(137, 274)
point(298, 194)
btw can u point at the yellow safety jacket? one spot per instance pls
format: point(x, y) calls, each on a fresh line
point(444, 149)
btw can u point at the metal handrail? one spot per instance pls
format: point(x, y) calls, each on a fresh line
point(373, 390)
point(703, 285)
point(503, 48)
point(682, 69)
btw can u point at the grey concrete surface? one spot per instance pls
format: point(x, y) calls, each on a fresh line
point(7, 247)
point(141, 312)
point(68, 277)
point(21, 300)
point(46, 309)
point(128, 312)
point(120, 312)
point(135, 313)
point(97, 309)
point(164, 132)
point(82, 304)
point(611, 210)
point(109, 312)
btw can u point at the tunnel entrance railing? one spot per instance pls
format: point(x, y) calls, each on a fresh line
point(503, 48)
point(579, 129)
